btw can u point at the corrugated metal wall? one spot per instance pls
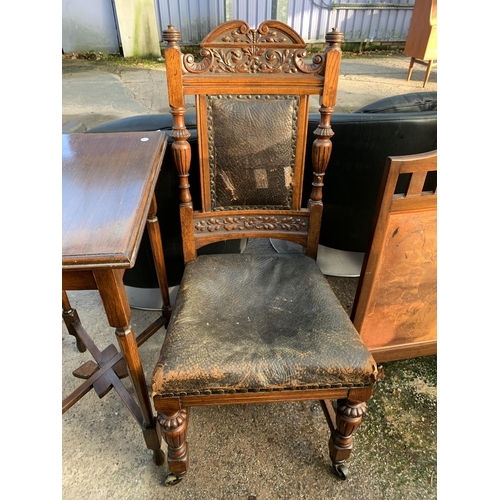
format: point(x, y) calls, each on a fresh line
point(360, 21)
point(194, 18)
point(253, 12)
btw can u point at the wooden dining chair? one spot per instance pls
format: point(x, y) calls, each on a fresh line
point(254, 328)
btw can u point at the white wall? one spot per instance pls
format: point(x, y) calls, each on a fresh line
point(89, 25)
point(138, 28)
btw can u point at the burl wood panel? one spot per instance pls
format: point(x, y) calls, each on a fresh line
point(402, 304)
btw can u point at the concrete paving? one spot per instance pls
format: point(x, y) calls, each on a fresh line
point(96, 92)
point(267, 451)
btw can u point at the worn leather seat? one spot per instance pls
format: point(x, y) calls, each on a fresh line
point(252, 345)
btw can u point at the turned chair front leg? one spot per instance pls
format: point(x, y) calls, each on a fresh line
point(173, 425)
point(348, 417)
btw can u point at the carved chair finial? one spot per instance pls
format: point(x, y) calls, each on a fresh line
point(171, 35)
point(334, 38)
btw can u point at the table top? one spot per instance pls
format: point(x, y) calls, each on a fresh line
point(108, 183)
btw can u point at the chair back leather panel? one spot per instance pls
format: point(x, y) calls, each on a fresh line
point(251, 159)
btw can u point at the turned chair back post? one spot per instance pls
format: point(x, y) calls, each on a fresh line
point(322, 145)
point(181, 149)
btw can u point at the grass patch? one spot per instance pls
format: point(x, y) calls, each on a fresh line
point(349, 50)
point(117, 59)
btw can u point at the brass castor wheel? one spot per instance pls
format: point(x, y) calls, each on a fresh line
point(172, 480)
point(342, 471)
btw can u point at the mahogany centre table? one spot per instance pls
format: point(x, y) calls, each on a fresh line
point(108, 183)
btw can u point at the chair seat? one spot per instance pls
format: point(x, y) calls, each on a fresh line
point(231, 332)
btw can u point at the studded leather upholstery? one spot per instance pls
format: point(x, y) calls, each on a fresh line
point(251, 160)
point(231, 330)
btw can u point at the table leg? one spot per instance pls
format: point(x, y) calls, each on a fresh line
point(70, 317)
point(114, 298)
point(158, 257)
